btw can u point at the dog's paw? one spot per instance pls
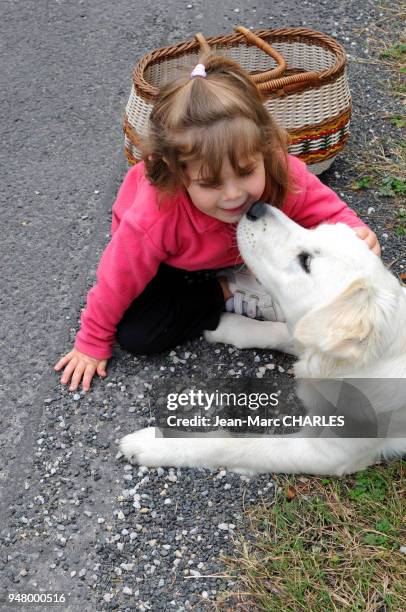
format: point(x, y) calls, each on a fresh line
point(140, 446)
point(210, 336)
point(227, 332)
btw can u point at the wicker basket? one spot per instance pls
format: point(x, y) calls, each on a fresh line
point(302, 76)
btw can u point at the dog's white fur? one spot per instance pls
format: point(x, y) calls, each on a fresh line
point(346, 318)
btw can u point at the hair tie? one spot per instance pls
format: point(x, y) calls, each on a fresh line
point(198, 70)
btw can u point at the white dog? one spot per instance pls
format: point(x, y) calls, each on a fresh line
point(345, 318)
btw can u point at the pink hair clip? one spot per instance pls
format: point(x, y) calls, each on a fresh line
point(198, 70)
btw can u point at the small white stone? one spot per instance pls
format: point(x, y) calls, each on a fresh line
point(127, 567)
point(223, 526)
point(127, 590)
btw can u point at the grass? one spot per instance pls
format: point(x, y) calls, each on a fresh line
point(384, 163)
point(395, 58)
point(401, 222)
point(391, 43)
point(381, 167)
point(325, 544)
point(381, 164)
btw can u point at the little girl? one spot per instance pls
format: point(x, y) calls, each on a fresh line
point(212, 151)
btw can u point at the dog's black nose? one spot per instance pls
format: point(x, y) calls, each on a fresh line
point(257, 210)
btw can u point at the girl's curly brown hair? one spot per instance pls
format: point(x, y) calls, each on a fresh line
point(211, 119)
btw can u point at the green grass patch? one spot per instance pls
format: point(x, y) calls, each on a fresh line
point(398, 121)
point(364, 182)
point(400, 223)
point(397, 53)
point(391, 187)
point(382, 169)
point(325, 544)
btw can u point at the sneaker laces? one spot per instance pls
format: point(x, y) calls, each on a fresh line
point(243, 304)
point(249, 297)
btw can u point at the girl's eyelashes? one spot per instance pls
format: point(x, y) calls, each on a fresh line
point(209, 185)
point(247, 171)
point(243, 172)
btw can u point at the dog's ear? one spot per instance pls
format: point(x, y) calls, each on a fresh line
point(340, 328)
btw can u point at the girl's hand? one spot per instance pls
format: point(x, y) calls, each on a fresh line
point(370, 238)
point(79, 366)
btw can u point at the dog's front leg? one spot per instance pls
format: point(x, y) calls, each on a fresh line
point(148, 447)
point(244, 333)
point(280, 454)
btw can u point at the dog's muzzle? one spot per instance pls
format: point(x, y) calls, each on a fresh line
point(257, 210)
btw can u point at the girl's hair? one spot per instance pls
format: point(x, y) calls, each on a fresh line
point(211, 119)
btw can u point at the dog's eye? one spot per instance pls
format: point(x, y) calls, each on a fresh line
point(304, 260)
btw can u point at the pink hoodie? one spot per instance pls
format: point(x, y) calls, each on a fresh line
point(179, 234)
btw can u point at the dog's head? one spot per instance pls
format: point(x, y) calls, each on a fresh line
point(337, 296)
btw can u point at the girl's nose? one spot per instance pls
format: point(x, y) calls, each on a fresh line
point(232, 191)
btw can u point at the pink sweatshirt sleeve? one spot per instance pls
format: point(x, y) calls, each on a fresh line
point(314, 203)
point(129, 262)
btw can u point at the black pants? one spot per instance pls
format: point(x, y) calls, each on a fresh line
point(174, 307)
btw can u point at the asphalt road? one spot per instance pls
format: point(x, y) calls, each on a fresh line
point(71, 521)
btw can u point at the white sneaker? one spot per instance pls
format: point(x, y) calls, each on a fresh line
point(249, 296)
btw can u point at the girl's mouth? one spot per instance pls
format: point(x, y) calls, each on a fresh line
point(236, 210)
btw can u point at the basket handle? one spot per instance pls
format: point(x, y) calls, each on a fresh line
point(204, 45)
point(271, 80)
point(263, 76)
point(266, 48)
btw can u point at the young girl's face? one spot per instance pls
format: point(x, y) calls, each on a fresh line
point(234, 195)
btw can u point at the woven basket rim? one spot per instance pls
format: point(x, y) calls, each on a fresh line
point(305, 35)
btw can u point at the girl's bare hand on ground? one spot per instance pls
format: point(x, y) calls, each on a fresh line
point(80, 367)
